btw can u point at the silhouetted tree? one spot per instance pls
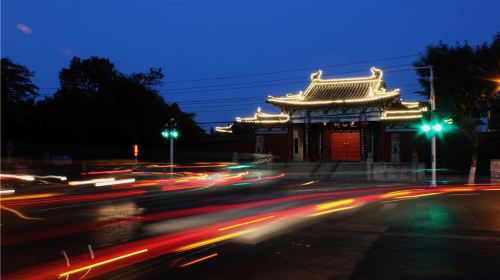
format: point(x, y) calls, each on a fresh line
point(18, 101)
point(98, 104)
point(463, 87)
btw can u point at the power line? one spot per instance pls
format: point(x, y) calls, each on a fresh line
point(217, 100)
point(229, 110)
point(299, 78)
point(293, 70)
point(222, 105)
point(257, 86)
point(277, 72)
point(260, 97)
point(236, 84)
point(221, 122)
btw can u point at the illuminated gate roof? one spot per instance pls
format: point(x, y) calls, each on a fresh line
point(323, 93)
point(404, 111)
point(263, 118)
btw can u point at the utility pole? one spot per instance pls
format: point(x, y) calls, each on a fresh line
point(171, 153)
point(433, 141)
point(427, 128)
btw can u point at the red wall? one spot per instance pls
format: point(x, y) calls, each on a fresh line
point(279, 145)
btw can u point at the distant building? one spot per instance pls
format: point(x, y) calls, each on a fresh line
point(345, 119)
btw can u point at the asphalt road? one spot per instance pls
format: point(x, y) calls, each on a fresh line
point(253, 229)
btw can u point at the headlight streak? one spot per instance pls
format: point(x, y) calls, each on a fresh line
point(188, 166)
point(458, 190)
point(19, 177)
point(180, 213)
point(246, 223)
point(18, 213)
point(29, 196)
point(332, 211)
point(4, 192)
point(61, 178)
point(207, 235)
point(198, 181)
point(308, 183)
point(115, 182)
point(212, 240)
point(395, 194)
point(102, 263)
point(419, 195)
point(263, 178)
point(107, 172)
point(89, 182)
point(71, 199)
point(158, 216)
point(199, 260)
point(26, 177)
point(334, 204)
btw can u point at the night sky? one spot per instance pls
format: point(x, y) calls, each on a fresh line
point(253, 48)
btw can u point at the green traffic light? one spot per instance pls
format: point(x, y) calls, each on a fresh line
point(437, 127)
point(425, 127)
point(170, 133)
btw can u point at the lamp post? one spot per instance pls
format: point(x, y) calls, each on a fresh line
point(434, 127)
point(433, 141)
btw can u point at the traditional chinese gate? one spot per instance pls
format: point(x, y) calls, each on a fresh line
point(345, 145)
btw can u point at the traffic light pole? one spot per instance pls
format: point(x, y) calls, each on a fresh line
point(171, 156)
point(433, 141)
point(432, 98)
point(172, 133)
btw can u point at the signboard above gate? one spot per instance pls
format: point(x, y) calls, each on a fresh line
point(344, 125)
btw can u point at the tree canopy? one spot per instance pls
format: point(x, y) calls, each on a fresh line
point(97, 104)
point(466, 80)
point(463, 81)
point(18, 99)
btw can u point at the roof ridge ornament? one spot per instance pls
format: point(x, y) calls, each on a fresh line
point(377, 74)
point(316, 75)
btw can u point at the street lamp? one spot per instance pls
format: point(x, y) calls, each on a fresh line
point(432, 98)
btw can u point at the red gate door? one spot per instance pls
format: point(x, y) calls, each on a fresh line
point(353, 150)
point(337, 144)
point(345, 146)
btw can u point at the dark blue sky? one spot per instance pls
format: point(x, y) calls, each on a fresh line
point(205, 39)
